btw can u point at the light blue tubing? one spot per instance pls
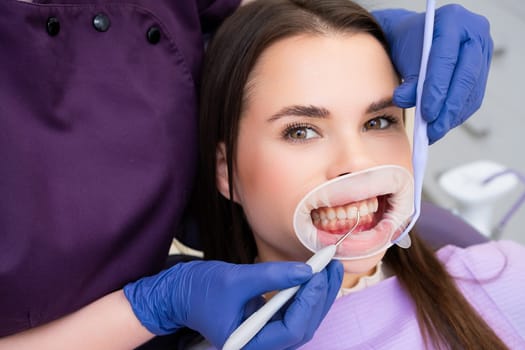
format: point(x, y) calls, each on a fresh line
point(420, 142)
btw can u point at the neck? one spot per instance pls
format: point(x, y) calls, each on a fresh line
point(351, 279)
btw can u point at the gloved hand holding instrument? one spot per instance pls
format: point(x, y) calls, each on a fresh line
point(212, 296)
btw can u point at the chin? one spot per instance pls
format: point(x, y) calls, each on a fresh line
point(361, 266)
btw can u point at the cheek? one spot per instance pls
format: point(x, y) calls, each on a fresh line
point(261, 172)
point(395, 151)
point(264, 185)
point(270, 180)
point(401, 153)
point(266, 168)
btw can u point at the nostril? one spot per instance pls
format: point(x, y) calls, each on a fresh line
point(343, 174)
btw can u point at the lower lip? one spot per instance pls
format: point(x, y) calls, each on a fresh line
point(361, 243)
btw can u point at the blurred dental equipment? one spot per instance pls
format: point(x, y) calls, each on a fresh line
point(476, 188)
point(253, 324)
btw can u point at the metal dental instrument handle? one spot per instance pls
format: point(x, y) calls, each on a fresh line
point(253, 324)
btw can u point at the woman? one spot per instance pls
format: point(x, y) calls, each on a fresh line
point(308, 99)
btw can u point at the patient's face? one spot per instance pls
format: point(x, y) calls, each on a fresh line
point(317, 107)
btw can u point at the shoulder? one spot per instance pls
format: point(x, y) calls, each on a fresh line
point(491, 276)
point(212, 12)
point(485, 260)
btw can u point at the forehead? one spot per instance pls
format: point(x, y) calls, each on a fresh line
point(322, 68)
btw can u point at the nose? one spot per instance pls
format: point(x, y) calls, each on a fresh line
point(349, 157)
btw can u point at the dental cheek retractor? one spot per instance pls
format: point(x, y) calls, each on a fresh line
point(253, 324)
point(384, 196)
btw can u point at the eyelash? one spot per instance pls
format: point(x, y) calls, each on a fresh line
point(389, 118)
point(290, 128)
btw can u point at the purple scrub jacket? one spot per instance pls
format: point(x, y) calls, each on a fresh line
point(97, 145)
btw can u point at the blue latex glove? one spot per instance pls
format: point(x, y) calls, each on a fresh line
point(214, 297)
point(457, 69)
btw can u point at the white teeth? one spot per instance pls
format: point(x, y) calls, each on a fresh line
point(328, 215)
point(351, 212)
point(363, 209)
point(372, 205)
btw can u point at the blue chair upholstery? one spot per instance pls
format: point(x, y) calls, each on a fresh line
point(438, 227)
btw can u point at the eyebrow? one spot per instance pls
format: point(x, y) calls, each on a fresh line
point(380, 105)
point(301, 111)
point(320, 112)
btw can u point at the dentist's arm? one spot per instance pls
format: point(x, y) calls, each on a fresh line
point(194, 295)
point(108, 323)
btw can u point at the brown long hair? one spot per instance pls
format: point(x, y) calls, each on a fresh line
point(444, 315)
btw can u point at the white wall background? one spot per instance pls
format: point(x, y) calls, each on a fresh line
point(501, 118)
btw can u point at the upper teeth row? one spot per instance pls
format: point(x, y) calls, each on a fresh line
point(348, 211)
